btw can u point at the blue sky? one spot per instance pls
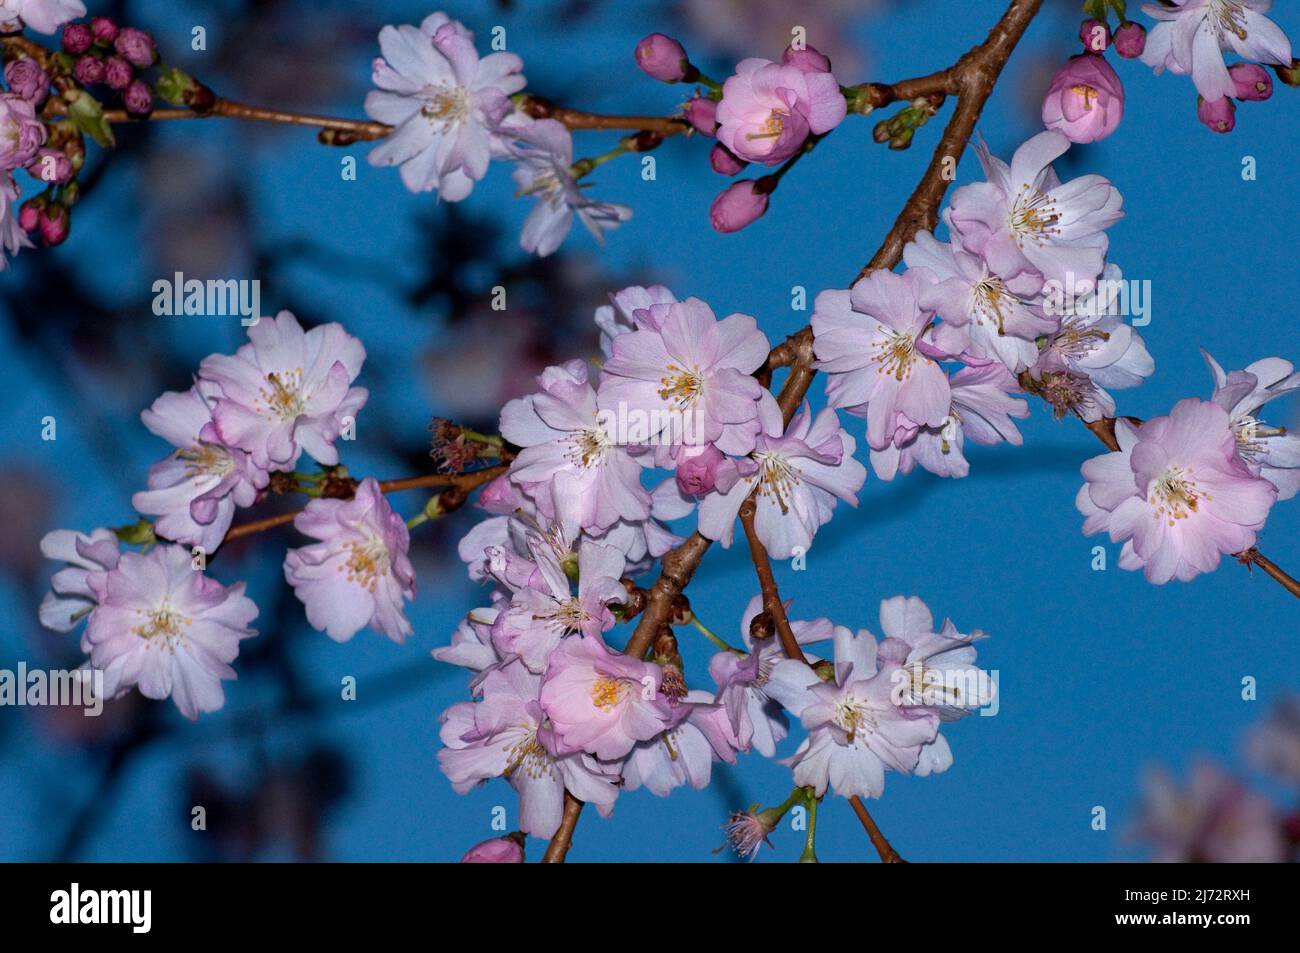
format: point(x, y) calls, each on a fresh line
point(1100, 672)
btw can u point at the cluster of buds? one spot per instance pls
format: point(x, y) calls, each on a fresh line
point(102, 53)
point(1251, 84)
point(900, 128)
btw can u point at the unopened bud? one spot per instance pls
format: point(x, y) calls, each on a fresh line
point(762, 627)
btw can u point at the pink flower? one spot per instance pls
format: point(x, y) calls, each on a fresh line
point(806, 59)
point(868, 340)
point(165, 627)
point(982, 408)
point(21, 133)
point(983, 314)
point(1085, 100)
point(506, 735)
point(628, 310)
point(799, 475)
point(855, 731)
point(569, 464)
point(43, 16)
point(698, 469)
point(1024, 220)
point(662, 58)
point(360, 572)
point(445, 102)
point(691, 378)
point(601, 701)
point(70, 598)
point(1193, 34)
point(27, 80)
point(768, 109)
point(1215, 819)
point(755, 719)
point(543, 611)
point(499, 850)
point(1268, 451)
point(196, 489)
point(685, 752)
point(739, 204)
point(1176, 493)
point(287, 391)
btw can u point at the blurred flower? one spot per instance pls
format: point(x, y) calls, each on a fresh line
point(1213, 820)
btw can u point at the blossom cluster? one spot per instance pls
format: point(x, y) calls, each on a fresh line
point(153, 619)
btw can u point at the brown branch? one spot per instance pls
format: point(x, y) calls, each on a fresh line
point(563, 839)
point(878, 840)
point(772, 603)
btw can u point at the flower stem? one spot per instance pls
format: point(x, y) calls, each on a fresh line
point(809, 855)
point(712, 637)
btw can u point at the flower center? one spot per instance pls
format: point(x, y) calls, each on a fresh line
point(681, 386)
point(1227, 16)
point(205, 458)
point(444, 106)
point(587, 447)
point(854, 716)
point(895, 354)
point(1066, 391)
point(772, 127)
point(1075, 342)
point(777, 477)
point(1175, 495)
point(607, 691)
point(164, 626)
point(367, 561)
point(568, 616)
point(282, 396)
point(528, 755)
point(1032, 217)
point(1251, 434)
point(990, 298)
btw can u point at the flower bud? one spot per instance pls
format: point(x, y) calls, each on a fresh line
point(117, 72)
point(808, 60)
point(24, 133)
point(740, 204)
point(1130, 40)
point(135, 46)
point(881, 133)
point(903, 138)
point(762, 626)
point(499, 850)
point(680, 611)
point(702, 113)
point(1094, 35)
point(697, 469)
point(104, 30)
point(51, 165)
point(723, 161)
point(76, 38)
point(1085, 100)
point(138, 98)
point(1251, 81)
point(54, 222)
point(1219, 115)
point(1289, 74)
point(663, 58)
point(88, 71)
point(26, 79)
point(29, 216)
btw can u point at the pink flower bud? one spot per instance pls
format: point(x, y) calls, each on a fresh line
point(807, 59)
point(26, 79)
point(138, 98)
point(117, 72)
point(737, 206)
point(104, 30)
point(702, 113)
point(76, 38)
point(499, 850)
point(1219, 115)
point(697, 469)
point(723, 161)
point(663, 58)
point(51, 165)
point(1095, 36)
point(53, 221)
point(88, 71)
point(29, 216)
point(1085, 100)
point(135, 45)
point(1251, 81)
point(1130, 40)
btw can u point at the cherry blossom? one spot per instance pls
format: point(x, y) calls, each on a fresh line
point(166, 628)
point(71, 598)
point(683, 754)
point(1269, 451)
point(769, 109)
point(43, 16)
point(360, 573)
point(445, 102)
point(1192, 36)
